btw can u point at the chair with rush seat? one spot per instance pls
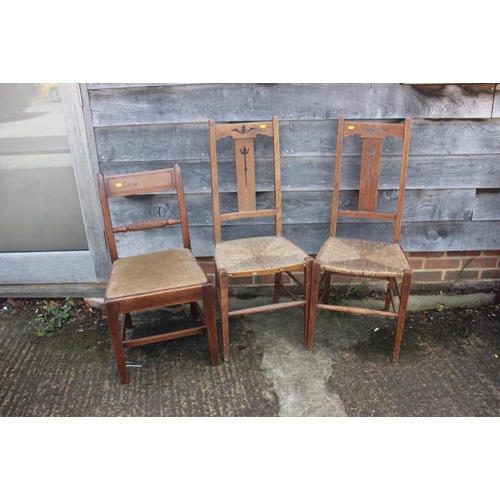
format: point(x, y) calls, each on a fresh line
point(259, 255)
point(153, 280)
point(366, 258)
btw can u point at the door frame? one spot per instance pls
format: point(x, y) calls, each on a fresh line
point(67, 273)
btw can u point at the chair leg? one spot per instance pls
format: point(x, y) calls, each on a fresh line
point(209, 310)
point(115, 335)
point(326, 290)
point(224, 312)
point(128, 321)
point(193, 310)
point(403, 304)
point(313, 302)
point(387, 304)
point(307, 296)
point(277, 287)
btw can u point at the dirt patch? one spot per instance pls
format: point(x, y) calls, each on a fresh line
point(449, 365)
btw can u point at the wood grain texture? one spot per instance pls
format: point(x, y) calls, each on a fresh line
point(431, 236)
point(160, 104)
point(454, 151)
point(298, 139)
point(496, 104)
point(424, 172)
point(487, 205)
point(309, 207)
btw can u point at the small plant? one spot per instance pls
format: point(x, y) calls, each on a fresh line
point(353, 288)
point(54, 317)
point(459, 275)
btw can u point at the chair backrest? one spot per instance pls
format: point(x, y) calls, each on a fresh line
point(372, 137)
point(154, 181)
point(244, 136)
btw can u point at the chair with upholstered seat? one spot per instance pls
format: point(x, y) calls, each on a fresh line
point(247, 256)
point(153, 280)
point(367, 259)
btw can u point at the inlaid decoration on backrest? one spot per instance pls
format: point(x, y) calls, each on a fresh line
point(244, 136)
point(372, 137)
point(250, 173)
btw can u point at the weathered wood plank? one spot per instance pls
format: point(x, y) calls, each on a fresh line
point(26, 268)
point(316, 173)
point(496, 103)
point(312, 207)
point(137, 105)
point(47, 291)
point(298, 139)
point(85, 168)
point(428, 137)
point(416, 236)
point(487, 205)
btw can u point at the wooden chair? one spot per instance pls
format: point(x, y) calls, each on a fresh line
point(258, 255)
point(153, 280)
point(359, 257)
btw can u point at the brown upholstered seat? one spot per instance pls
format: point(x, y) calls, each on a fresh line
point(358, 257)
point(154, 272)
point(154, 280)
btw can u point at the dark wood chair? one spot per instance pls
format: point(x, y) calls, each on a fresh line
point(258, 255)
point(153, 280)
point(365, 258)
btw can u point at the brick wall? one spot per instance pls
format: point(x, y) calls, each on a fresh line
point(432, 271)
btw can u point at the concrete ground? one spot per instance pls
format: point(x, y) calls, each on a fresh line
point(448, 366)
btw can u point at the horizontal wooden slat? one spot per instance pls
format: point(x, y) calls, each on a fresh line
point(298, 139)
point(316, 173)
point(46, 291)
point(311, 207)
point(487, 205)
point(136, 104)
point(416, 236)
point(496, 105)
point(428, 137)
point(130, 184)
point(25, 268)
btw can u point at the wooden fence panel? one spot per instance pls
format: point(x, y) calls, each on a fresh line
point(453, 170)
point(296, 101)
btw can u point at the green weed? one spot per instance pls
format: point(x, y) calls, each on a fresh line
point(53, 318)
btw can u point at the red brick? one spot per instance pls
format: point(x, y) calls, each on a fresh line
point(490, 274)
point(468, 253)
point(416, 263)
point(464, 275)
point(482, 262)
point(491, 252)
point(426, 254)
point(442, 263)
point(426, 277)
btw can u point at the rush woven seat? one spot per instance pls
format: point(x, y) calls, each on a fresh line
point(260, 255)
point(150, 281)
point(254, 255)
point(363, 258)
